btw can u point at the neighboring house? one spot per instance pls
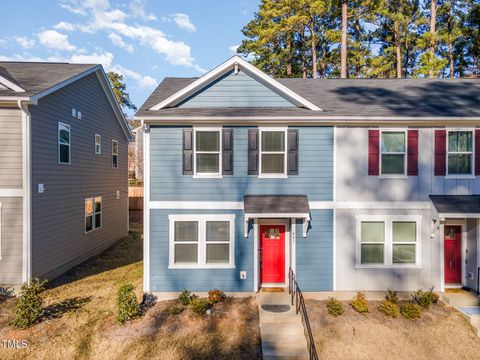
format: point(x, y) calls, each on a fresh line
point(354, 184)
point(135, 154)
point(63, 168)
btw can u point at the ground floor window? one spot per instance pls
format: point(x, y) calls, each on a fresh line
point(93, 213)
point(201, 241)
point(388, 241)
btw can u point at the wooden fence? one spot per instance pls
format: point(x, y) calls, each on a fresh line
point(135, 198)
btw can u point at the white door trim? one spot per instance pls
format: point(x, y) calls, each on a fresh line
point(462, 223)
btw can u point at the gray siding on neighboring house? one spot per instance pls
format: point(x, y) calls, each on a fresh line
point(235, 90)
point(58, 231)
point(10, 148)
point(11, 243)
point(472, 255)
point(354, 184)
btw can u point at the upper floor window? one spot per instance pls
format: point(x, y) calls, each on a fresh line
point(272, 152)
point(393, 153)
point(460, 153)
point(93, 213)
point(64, 154)
point(207, 152)
point(114, 153)
point(98, 144)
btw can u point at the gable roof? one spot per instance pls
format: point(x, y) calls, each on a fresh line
point(35, 80)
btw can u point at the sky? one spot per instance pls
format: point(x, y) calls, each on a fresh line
point(143, 40)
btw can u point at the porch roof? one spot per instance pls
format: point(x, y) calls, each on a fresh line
point(454, 206)
point(276, 204)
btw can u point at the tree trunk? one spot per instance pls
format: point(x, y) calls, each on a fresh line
point(289, 56)
point(302, 44)
point(343, 45)
point(314, 52)
point(398, 52)
point(433, 20)
point(450, 56)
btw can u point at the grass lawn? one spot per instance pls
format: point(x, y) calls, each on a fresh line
point(441, 333)
point(81, 321)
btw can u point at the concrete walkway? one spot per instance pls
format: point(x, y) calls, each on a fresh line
point(283, 335)
point(467, 303)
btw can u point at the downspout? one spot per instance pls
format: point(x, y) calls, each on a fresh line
point(27, 182)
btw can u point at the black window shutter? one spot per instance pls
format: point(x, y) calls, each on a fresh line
point(253, 151)
point(227, 151)
point(187, 158)
point(292, 155)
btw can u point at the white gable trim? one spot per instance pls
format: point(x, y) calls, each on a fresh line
point(10, 85)
point(233, 63)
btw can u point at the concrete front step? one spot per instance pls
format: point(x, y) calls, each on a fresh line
point(286, 331)
point(461, 298)
point(292, 349)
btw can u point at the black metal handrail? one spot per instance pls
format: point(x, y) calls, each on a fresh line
point(296, 293)
point(478, 280)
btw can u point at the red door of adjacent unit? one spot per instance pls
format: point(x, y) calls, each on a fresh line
point(453, 254)
point(272, 245)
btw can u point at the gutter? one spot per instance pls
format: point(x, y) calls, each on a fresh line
point(27, 197)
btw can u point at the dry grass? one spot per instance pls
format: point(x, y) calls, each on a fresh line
point(81, 319)
point(441, 333)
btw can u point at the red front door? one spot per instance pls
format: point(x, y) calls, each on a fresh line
point(272, 245)
point(453, 254)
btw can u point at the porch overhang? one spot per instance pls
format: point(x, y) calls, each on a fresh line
point(455, 206)
point(275, 207)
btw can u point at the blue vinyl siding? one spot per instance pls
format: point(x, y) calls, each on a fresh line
point(315, 177)
point(164, 279)
point(314, 254)
point(232, 90)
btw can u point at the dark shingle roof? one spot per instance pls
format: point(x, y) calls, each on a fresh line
point(35, 77)
point(456, 204)
point(347, 97)
point(276, 204)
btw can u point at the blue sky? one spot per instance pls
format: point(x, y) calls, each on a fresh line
point(144, 40)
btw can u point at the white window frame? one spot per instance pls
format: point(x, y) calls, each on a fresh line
point(98, 151)
point(113, 154)
point(69, 143)
point(0, 231)
point(260, 152)
point(471, 153)
point(220, 155)
point(94, 227)
point(202, 243)
point(388, 244)
point(404, 175)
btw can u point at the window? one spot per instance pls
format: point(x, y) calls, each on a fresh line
point(388, 241)
point(201, 241)
point(98, 144)
point(114, 153)
point(64, 154)
point(93, 213)
point(393, 151)
point(207, 152)
point(272, 152)
point(460, 153)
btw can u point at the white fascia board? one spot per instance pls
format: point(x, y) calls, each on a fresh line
point(443, 216)
point(11, 85)
point(222, 69)
point(14, 98)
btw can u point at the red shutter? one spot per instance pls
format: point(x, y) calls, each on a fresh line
point(373, 152)
point(477, 152)
point(412, 153)
point(440, 152)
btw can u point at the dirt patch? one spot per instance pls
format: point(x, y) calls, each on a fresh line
point(441, 333)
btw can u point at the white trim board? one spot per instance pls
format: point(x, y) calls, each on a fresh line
point(146, 213)
point(234, 62)
point(11, 85)
point(11, 192)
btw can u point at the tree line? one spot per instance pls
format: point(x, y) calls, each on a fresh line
point(365, 38)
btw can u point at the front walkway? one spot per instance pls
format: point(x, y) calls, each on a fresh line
point(282, 332)
point(467, 303)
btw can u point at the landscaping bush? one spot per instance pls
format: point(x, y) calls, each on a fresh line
point(424, 298)
point(185, 297)
point(28, 309)
point(360, 303)
point(392, 296)
point(411, 311)
point(216, 296)
point(127, 305)
point(436, 297)
point(198, 305)
point(389, 308)
point(175, 309)
point(335, 307)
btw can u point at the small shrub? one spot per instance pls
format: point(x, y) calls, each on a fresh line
point(392, 296)
point(360, 303)
point(175, 309)
point(198, 305)
point(424, 298)
point(185, 297)
point(216, 296)
point(335, 307)
point(127, 305)
point(436, 297)
point(389, 308)
point(411, 311)
point(28, 309)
